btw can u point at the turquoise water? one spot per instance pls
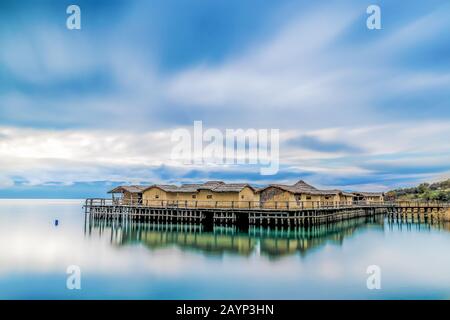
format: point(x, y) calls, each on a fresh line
point(150, 261)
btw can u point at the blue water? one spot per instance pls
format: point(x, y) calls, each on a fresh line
point(149, 261)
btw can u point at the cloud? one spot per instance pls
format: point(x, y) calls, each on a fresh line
point(355, 107)
point(313, 143)
point(6, 182)
point(275, 76)
point(42, 155)
point(362, 156)
point(301, 73)
point(308, 74)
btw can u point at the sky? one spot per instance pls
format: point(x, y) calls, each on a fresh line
point(84, 110)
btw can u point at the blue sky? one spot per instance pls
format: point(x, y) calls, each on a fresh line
point(83, 110)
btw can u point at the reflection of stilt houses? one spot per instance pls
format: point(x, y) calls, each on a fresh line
point(273, 243)
point(303, 240)
point(447, 218)
point(207, 242)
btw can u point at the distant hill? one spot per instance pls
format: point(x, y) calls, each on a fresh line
point(439, 191)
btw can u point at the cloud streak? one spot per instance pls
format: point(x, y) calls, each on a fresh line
point(356, 108)
point(327, 157)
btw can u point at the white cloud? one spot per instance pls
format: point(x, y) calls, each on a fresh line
point(308, 76)
point(301, 78)
point(274, 74)
point(5, 182)
point(66, 156)
point(41, 155)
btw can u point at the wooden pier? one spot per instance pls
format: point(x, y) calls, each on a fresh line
point(306, 214)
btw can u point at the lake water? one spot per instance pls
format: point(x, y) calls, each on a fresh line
point(150, 261)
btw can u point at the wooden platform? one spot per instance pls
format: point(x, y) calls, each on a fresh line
point(105, 209)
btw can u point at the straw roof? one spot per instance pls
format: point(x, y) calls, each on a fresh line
point(190, 188)
point(216, 186)
point(301, 187)
point(129, 189)
point(210, 185)
point(369, 194)
point(232, 187)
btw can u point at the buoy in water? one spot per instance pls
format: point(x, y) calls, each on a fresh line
point(56, 222)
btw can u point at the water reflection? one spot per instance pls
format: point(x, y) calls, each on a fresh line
point(219, 240)
point(132, 260)
point(409, 224)
point(271, 242)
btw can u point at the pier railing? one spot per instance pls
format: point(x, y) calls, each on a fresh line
point(422, 204)
point(274, 205)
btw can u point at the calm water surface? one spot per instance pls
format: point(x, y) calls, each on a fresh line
point(151, 261)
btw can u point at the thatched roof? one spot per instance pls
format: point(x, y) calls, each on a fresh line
point(163, 187)
point(232, 187)
point(369, 194)
point(301, 187)
point(216, 186)
point(129, 189)
point(210, 185)
point(190, 188)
